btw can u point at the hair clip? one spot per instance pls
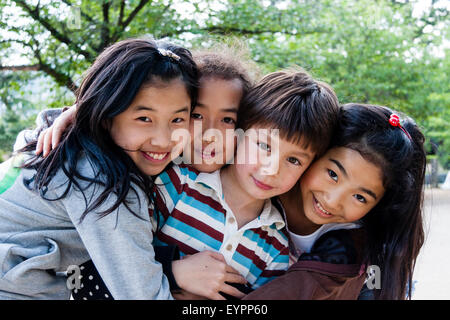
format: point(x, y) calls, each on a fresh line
point(168, 53)
point(394, 121)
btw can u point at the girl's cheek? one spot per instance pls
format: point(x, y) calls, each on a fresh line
point(305, 181)
point(120, 140)
point(302, 172)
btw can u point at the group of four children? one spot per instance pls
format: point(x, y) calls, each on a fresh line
point(295, 211)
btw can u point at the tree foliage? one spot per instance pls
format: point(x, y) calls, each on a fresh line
point(380, 52)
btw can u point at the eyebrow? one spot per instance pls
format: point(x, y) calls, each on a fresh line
point(140, 108)
point(233, 110)
point(370, 193)
point(341, 167)
point(302, 154)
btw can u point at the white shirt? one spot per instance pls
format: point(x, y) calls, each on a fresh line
point(304, 243)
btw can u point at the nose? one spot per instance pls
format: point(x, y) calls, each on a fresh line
point(269, 165)
point(207, 124)
point(209, 132)
point(334, 199)
point(162, 138)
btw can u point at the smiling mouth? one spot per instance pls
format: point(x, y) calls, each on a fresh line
point(319, 209)
point(156, 156)
point(261, 185)
point(206, 154)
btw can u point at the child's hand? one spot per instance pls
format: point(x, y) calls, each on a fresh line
point(204, 274)
point(184, 295)
point(49, 138)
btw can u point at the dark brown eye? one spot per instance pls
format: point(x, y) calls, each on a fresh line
point(145, 119)
point(294, 161)
point(332, 174)
point(229, 120)
point(177, 120)
point(360, 198)
point(196, 116)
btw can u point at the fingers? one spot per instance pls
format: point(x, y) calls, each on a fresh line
point(47, 142)
point(205, 274)
point(44, 142)
point(235, 278)
point(232, 291)
point(50, 137)
point(57, 131)
point(61, 124)
point(40, 143)
point(232, 275)
point(216, 296)
point(216, 255)
point(230, 269)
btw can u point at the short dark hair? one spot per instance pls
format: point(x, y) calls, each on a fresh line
point(302, 108)
point(227, 62)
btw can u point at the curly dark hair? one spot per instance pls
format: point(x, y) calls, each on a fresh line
point(226, 63)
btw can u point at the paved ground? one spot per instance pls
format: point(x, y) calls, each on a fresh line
point(432, 273)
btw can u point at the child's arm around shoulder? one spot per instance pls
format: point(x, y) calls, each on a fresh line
point(44, 120)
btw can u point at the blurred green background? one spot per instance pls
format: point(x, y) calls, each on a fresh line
point(392, 53)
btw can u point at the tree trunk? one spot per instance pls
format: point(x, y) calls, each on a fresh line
point(434, 173)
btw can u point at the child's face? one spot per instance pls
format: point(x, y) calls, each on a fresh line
point(214, 115)
point(145, 129)
point(341, 186)
point(265, 172)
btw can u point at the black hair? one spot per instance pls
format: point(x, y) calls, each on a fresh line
point(107, 90)
point(395, 225)
point(227, 63)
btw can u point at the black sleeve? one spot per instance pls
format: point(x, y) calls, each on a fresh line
point(366, 293)
point(165, 255)
point(333, 247)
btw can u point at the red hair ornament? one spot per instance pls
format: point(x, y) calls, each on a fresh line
point(394, 121)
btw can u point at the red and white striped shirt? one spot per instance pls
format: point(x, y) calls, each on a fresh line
point(197, 218)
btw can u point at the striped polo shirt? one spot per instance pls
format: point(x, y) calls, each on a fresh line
point(197, 218)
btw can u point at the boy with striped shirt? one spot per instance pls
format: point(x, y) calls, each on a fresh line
point(287, 119)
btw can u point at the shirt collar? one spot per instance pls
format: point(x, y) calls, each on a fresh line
point(211, 180)
point(269, 215)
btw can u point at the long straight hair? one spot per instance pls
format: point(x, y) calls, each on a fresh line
point(107, 90)
point(395, 225)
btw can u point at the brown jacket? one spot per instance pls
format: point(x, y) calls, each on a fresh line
point(333, 270)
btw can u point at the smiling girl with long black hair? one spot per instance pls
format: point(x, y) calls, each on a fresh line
point(89, 197)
